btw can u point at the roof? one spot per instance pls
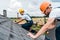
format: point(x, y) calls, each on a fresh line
point(11, 31)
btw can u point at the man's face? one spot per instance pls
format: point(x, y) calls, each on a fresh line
point(22, 13)
point(48, 10)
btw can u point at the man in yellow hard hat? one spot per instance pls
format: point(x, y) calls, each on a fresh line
point(25, 16)
point(53, 20)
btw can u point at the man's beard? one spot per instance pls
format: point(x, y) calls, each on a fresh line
point(47, 15)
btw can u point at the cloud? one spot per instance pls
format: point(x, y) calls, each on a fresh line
point(32, 7)
point(14, 5)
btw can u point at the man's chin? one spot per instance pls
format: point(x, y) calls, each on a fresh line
point(47, 15)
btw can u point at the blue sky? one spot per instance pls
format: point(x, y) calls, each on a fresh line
point(30, 6)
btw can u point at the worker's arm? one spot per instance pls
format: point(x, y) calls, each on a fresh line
point(49, 25)
point(20, 20)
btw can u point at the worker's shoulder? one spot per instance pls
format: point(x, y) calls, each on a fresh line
point(56, 9)
point(25, 15)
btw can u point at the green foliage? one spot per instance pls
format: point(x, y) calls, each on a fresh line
point(36, 27)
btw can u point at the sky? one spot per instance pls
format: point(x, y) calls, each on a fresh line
point(30, 6)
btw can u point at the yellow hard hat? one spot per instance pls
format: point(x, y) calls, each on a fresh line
point(44, 5)
point(21, 10)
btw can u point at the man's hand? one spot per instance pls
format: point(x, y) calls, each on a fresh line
point(15, 22)
point(31, 35)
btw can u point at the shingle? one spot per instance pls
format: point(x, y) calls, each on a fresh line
point(12, 31)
